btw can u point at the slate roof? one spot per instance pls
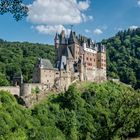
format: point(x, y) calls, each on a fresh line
point(45, 63)
point(68, 54)
point(72, 37)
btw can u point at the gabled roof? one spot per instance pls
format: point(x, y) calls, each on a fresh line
point(45, 63)
point(67, 53)
point(72, 37)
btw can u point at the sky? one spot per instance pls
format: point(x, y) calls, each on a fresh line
point(97, 19)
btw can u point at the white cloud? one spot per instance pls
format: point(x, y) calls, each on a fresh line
point(133, 27)
point(56, 12)
point(97, 31)
point(138, 2)
point(84, 5)
point(51, 30)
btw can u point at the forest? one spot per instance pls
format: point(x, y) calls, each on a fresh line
point(17, 58)
point(107, 111)
point(123, 57)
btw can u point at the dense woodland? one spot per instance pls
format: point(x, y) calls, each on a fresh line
point(123, 53)
point(106, 111)
point(16, 58)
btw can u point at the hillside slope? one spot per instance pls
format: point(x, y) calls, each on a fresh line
point(123, 57)
point(106, 111)
point(17, 57)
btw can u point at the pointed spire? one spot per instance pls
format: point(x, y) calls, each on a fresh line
point(56, 36)
point(56, 39)
point(63, 33)
point(72, 38)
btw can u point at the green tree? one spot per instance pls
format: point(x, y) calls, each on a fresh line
point(15, 7)
point(123, 56)
point(3, 80)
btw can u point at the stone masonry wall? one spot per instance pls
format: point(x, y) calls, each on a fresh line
point(33, 99)
point(27, 89)
point(96, 75)
point(13, 90)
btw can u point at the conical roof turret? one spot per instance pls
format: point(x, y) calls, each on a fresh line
point(56, 39)
point(72, 37)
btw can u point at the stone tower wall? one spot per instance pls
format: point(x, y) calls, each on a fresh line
point(100, 75)
point(96, 75)
point(47, 77)
point(25, 89)
point(36, 74)
point(91, 60)
point(101, 60)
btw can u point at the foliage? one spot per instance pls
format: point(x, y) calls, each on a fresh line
point(18, 57)
point(123, 57)
point(106, 111)
point(15, 7)
point(36, 90)
point(3, 80)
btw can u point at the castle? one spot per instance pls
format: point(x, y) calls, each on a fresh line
point(77, 59)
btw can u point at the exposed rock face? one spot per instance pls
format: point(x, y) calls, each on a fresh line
point(31, 99)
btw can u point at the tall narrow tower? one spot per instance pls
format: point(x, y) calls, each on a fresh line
point(101, 63)
point(81, 68)
point(57, 47)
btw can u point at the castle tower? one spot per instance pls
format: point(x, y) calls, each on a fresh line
point(72, 38)
point(57, 45)
point(101, 62)
point(81, 68)
point(56, 41)
point(74, 45)
point(62, 43)
point(18, 79)
point(101, 56)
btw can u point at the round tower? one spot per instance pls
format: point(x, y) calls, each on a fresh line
point(57, 47)
point(25, 90)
